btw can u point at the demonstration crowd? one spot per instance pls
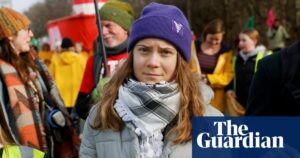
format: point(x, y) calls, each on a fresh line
point(159, 76)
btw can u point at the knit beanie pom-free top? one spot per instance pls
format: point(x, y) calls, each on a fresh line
point(165, 22)
point(11, 22)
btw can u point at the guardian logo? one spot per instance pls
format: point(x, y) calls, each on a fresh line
point(246, 137)
point(236, 136)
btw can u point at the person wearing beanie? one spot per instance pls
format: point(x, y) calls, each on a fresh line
point(136, 116)
point(116, 20)
point(25, 86)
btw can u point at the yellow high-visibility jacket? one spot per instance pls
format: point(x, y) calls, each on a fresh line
point(15, 151)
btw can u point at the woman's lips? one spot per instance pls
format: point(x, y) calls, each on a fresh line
point(152, 74)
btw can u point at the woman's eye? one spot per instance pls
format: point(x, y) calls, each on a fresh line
point(167, 53)
point(143, 49)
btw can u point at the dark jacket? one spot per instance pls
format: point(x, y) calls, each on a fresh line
point(270, 94)
point(244, 71)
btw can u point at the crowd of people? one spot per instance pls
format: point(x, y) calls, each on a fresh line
point(159, 77)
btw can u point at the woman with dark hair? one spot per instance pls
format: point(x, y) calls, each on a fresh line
point(33, 111)
point(215, 59)
point(147, 106)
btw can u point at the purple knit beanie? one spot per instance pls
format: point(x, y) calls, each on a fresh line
point(165, 22)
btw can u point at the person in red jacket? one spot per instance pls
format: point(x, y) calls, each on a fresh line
point(116, 20)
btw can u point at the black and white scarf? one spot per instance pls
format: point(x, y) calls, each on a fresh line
point(150, 108)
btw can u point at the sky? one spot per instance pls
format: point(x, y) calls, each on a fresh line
point(23, 5)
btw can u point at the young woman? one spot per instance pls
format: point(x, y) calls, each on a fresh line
point(215, 61)
point(245, 64)
point(32, 108)
point(147, 105)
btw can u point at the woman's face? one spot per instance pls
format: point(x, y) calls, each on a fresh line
point(154, 60)
point(214, 40)
point(22, 41)
point(246, 44)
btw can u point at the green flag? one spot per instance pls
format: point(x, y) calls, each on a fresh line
point(250, 23)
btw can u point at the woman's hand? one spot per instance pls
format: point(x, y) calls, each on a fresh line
point(230, 93)
point(204, 78)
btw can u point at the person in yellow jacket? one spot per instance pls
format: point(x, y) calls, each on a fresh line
point(67, 69)
point(215, 58)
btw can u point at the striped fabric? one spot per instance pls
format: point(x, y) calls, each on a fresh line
point(25, 112)
point(11, 22)
point(208, 62)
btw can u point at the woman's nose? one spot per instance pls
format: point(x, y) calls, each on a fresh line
point(153, 60)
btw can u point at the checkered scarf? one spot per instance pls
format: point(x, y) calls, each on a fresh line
point(150, 108)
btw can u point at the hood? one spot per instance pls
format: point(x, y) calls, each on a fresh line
point(257, 49)
point(68, 58)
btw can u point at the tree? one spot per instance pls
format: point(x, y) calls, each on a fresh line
point(235, 13)
point(40, 13)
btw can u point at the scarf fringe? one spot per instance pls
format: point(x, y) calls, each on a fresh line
point(151, 145)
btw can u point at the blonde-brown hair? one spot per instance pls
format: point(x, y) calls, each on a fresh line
point(253, 34)
point(5, 137)
point(191, 102)
point(213, 27)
